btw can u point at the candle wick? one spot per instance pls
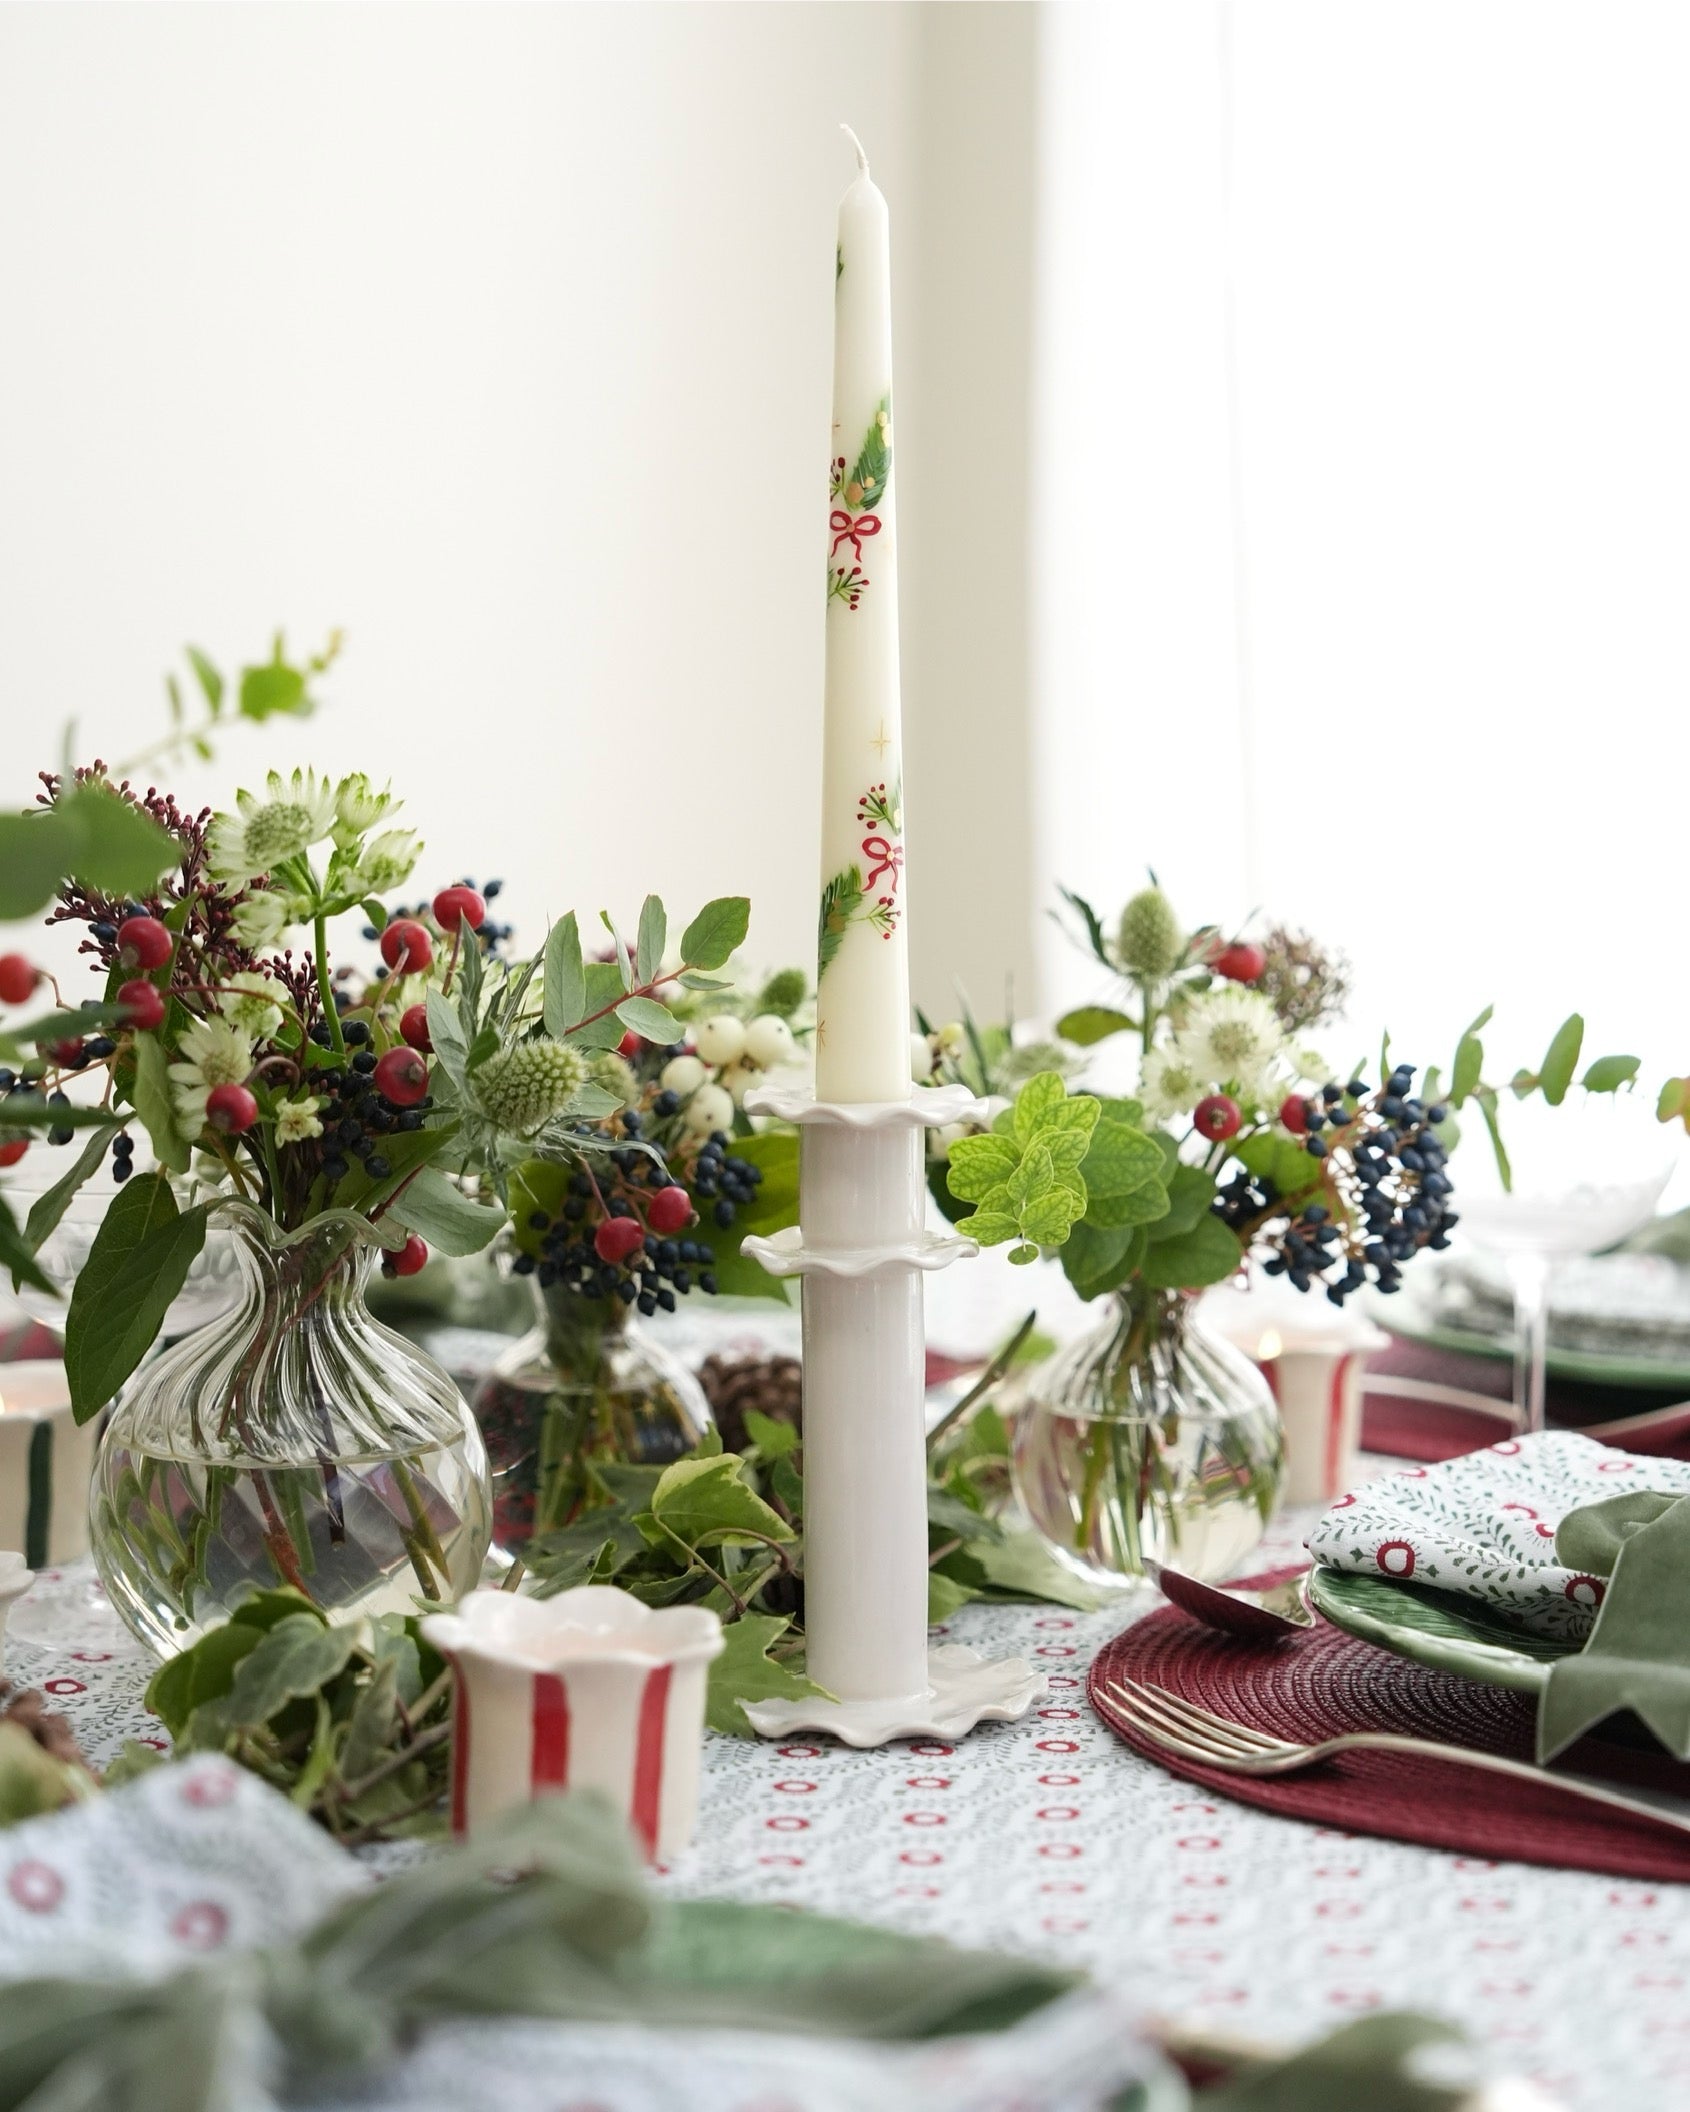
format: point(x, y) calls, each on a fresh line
point(857, 148)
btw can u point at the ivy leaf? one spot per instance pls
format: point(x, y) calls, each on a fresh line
point(1562, 1059)
point(299, 1655)
point(716, 932)
point(1607, 1074)
point(1087, 1025)
point(138, 1263)
point(773, 1438)
point(564, 987)
point(1208, 1253)
point(705, 1503)
point(154, 1106)
point(653, 937)
point(648, 1018)
point(979, 1164)
point(746, 1672)
point(203, 1672)
point(437, 1210)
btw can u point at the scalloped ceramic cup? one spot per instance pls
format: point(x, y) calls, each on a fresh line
point(590, 1690)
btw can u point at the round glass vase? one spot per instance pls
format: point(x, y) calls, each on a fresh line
point(586, 1386)
point(1149, 1440)
point(297, 1442)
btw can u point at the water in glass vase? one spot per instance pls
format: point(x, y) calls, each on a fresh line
point(188, 1539)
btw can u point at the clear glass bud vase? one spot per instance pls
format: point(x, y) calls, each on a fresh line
point(1149, 1440)
point(587, 1385)
point(296, 1442)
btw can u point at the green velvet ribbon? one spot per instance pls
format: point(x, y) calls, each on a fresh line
point(1638, 1655)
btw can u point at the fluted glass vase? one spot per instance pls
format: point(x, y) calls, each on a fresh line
point(1149, 1440)
point(296, 1442)
point(586, 1386)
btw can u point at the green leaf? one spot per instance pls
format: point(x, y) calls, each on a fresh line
point(1469, 1064)
point(272, 691)
point(979, 1164)
point(437, 1210)
point(715, 933)
point(17, 1255)
point(1098, 1259)
point(704, 1503)
point(451, 1049)
point(1089, 1024)
point(203, 1672)
point(36, 851)
point(1607, 1074)
point(376, 914)
point(602, 988)
point(746, 1672)
point(564, 988)
point(1138, 1206)
point(298, 1656)
point(773, 1438)
point(122, 851)
point(991, 1228)
point(944, 1596)
point(208, 678)
point(1487, 1107)
point(653, 937)
point(138, 1263)
point(154, 1105)
point(47, 1210)
point(1208, 1253)
point(1671, 1101)
point(1094, 930)
point(1119, 1159)
point(1021, 1566)
point(33, 1781)
point(1038, 1098)
point(1190, 1192)
point(648, 1018)
point(1562, 1059)
point(1279, 1159)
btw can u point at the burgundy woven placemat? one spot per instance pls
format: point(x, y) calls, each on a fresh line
point(1324, 1682)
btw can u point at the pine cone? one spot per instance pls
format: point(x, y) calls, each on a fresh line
point(773, 1386)
point(29, 1711)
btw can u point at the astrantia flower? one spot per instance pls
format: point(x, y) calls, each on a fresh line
point(213, 1053)
point(263, 918)
point(526, 1085)
point(296, 1120)
point(387, 860)
point(357, 808)
point(248, 1001)
point(1169, 1085)
point(295, 813)
point(1230, 1036)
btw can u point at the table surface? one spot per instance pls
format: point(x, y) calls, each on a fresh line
point(1051, 1837)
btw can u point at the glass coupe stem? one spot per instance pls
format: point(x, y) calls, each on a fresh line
point(1528, 1274)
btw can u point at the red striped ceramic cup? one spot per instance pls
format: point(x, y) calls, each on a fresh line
point(589, 1690)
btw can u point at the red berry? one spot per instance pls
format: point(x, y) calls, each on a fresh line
point(413, 1027)
point(1294, 1113)
point(669, 1209)
point(230, 1108)
point(18, 979)
point(143, 942)
point(617, 1238)
point(142, 1005)
point(630, 1045)
point(1217, 1118)
point(12, 1150)
point(409, 1258)
point(458, 905)
point(406, 946)
point(1240, 962)
point(402, 1077)
point(68, 1051)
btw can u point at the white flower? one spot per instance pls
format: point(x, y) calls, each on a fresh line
point(248, 1001)
point(263, 919)
point(1230, 1037)
point(296, 1120)
point(213, 1053)
point(296, 812)
point(357, 808)
point(1169, 1085)
point(387, 860)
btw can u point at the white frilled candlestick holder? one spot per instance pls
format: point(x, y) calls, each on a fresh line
point(861, 1248)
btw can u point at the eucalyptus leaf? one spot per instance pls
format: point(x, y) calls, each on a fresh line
point(603, 989)
point(1607, 1074)
point(1562, 1060)
point(653, 937)
point(438, 1211)
point(654, 1022)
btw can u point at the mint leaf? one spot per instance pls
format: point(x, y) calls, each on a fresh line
point(1208, 1253)
point(979, 1164)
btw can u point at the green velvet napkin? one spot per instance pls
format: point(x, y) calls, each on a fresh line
point(1638, 1655)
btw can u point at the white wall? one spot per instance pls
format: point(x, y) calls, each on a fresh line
point(501, 336)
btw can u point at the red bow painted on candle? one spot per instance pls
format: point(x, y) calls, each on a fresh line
point(851, 528)
point(891, 857)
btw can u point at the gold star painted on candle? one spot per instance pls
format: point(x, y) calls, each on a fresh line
point(821, 1032)
point(881, 740)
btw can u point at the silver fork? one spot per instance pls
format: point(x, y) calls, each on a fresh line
point(1179, 1726)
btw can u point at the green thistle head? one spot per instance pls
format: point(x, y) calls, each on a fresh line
point(784, 992)
point(615, 1074)
point(526, 1085)
point(1150, 942)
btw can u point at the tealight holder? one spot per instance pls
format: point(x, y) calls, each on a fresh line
point(46, 1459)
point(861, 1249)
point(1317, 1380)
point(588, 1690)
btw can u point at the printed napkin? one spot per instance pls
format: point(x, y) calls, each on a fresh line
point(1484, 1525)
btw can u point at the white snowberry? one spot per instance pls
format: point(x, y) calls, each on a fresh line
point(921, 1058)
point(737, 1079)
point(720, 1040)
point(768, 1041)
point(709, 1108)
point(682, 1075)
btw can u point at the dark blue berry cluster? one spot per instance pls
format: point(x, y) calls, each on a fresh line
point(723, 1180)
point(354, 1114)
point(649, 1278)
point(1384, 1192)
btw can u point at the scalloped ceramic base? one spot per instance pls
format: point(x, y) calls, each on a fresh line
point(963, 1689)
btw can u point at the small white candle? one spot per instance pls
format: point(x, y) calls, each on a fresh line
point(863, 982)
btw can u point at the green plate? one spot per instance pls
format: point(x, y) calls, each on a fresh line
point(1406, 1317)
point(1436, 1628)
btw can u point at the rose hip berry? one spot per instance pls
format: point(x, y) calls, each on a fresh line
point(406, 946)
point(408, 1260)
point(413, 1027)
point(12, 1150)
point(65, 1053)
point(1240, 962)
point(458, 905)
point(143, 942)
point(630, 1045)
point(1217, 1117)
point(617, 1238)
point(18, 979)
point(402, 1077)
point(230, 1108)
point(143, 1007)
point(1294, 1113)
point(669, 1209)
